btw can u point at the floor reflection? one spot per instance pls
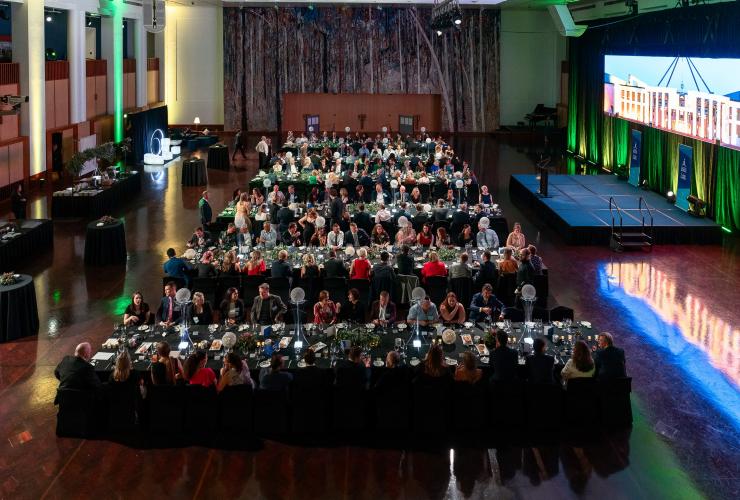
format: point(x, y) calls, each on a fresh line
point(702, 345)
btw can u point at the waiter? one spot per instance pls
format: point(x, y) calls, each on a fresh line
point(238, 145)
point(263, 150)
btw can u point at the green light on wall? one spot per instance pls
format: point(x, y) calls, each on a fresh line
point(116, 8)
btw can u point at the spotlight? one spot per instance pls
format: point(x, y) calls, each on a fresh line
point(670, 196)
point(458, 22)
point(48, 19)
point(439, 33)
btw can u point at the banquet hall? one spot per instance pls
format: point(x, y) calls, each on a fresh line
point(381, 249)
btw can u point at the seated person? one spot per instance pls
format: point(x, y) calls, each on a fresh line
point(525, 273)
point(486, 239)
point(580, 364)
point(405, 262)
point(467, 371)
point(451, 311)
point(137, 312)
point(508, 264)
point(539, 365)
point(461, 269)
point(255, 266)
point(335, 238)
point(199, 312)
point(267, 308)
point(280, 267)
point(228, 237)
point(434, 365)
point(196, 372)
point(424, 312)
point(292, 237)
point(379, 236)
point(122, 372)
point(360, 267)
point(353, 310)
point(609, 360)
point(356, 236)
point(268, 236)
point(176, 267)
point(205, 267)
point(433, 267)
point(406, 234)
point(535, 260)
point(487, 272)
point(516, 238)
point(165, 369)
point(484, 304)
point(383, 311)
point(334, 267)
point(232, 307)
point(504, 360)
point(200, 239)
point(353, 371)
point(234, 372)
point(169, 311)
point(395, 373)
point(324, 311)
point(272, 378)
point(244, 238)
point(76, 372)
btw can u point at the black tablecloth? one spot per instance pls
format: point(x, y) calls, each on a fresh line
point(18, 314)
point(194, 172)
point(105, 244)
point(218, 157)
point(101, 204)
point(37, 235)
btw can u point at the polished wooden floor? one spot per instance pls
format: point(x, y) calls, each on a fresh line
point(673, 310)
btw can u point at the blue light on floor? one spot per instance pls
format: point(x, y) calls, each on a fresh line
point(697, 343)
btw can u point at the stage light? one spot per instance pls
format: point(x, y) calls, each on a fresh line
point(458, 22)
point(439, 33)
point(670, 196)
point(48, 19)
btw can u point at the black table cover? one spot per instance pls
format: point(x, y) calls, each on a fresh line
point(18, 313)
point(37, 235)
point(218, 157)
point(101, 204)
point(194, 172)
point(105, 244)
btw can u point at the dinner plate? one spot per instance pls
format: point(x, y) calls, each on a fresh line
point(370, 326)
point(378, 363)
point(451, 361)
point(468, 324)
point(414, 361)
point(143, 328)
point(301, 364)
point(338, 325)
point(484, 359)
point(265, 363)
point(402, 326)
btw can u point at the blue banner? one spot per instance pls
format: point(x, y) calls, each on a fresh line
point(635, 156)
point(685, 172)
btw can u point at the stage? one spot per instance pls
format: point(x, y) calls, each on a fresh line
point(577, 207)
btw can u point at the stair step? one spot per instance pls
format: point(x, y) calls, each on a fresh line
point(632, 236)
point(636, 244)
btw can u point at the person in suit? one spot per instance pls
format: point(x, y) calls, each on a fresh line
point(421, 216)
point(238, 145)
point(380, 196)
point(284, 217)
point(395, 375)
point(292, 236)
point(484, 304)
point(363, 219)
point(272, 378)
point(291, 196)
point(267, 308)
point(336, 206)
point(176, 267)
point(525, 273)
point(383, 311)
point(280, 268)
point(356, 237)
point(487, 273)
point(200, 239)
point(204, 209)
point(76, 372)
point(334, 267)
point(18, 202)
point(351, 372)
point(169, 312)
point(539, 365)
point(486, 238)
point(459, 218)
point(504, 360)
point(609, 360)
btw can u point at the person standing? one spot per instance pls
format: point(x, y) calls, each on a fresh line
point(263, 149)
point(238, 145)
point(18, 202)
point(204, 208)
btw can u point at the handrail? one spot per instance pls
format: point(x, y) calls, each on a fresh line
point(642, 202)
point(613, 204)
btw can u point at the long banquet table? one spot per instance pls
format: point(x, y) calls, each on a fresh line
point(92, 203)
point(376, 343)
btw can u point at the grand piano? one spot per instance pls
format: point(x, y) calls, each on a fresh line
point(542, 113)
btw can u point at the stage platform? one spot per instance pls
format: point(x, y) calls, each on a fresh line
point(577, 207)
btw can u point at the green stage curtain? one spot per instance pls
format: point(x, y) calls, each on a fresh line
point(615, 144)
point(727, 198)
point(653, 159)
point(573, 104)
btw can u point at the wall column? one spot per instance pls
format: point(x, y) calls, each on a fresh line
point(112, 50)
point(139, 35)
point(29, 52)
point(77, 66)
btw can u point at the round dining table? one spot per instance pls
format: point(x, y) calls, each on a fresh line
point(105, 243)
point(218, 157)
point(194, 172)
point(18, 311)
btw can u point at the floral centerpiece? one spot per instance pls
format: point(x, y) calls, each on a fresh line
point(107, 219)
point(246, 342)
point(8, 279)
point(359, 337)
point(110, 152)
point(448, 254)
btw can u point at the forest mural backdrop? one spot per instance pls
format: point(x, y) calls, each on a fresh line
point(269, 52)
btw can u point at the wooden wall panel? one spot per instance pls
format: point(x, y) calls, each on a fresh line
point(83, 129)
point(90, 89)
point(50, 120)
point(61, 102)
point(129, 90)
point(68, 144)
point(337, 111)
point(152, 81)
point(9, 124)
point(15, 159)
point(101, 90)
point(4, 167)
